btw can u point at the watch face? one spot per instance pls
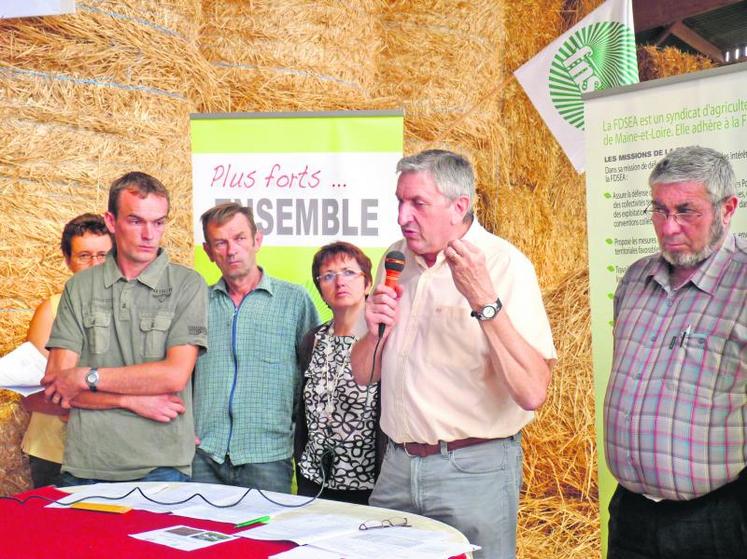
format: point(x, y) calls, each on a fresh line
point(488, 312)
point(92, 377)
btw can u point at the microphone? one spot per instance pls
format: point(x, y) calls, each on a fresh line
point(394, 263)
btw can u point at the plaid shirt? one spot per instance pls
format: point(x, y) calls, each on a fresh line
point(674, 413)
point(245, 385)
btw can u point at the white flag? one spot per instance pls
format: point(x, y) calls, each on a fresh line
point(597, 53)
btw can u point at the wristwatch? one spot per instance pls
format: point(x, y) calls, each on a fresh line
point(92, 379)
point(489, 311)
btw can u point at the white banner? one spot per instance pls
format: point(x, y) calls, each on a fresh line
point(304, 199)
point(597, 53)
point(628, 132)
point(30, 8)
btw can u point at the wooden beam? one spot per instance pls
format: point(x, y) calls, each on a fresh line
point(664, 35)
point(684, 33)
point(648, 14)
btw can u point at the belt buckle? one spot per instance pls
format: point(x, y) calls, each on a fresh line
point(404, 447)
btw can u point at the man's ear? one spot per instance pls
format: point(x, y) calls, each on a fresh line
point(460, 206)
point(728, 207)
point(206, 248)
point(109, 219)
point(258, 238)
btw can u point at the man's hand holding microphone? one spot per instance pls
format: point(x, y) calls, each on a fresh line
point(382, 310)
point(383, 304)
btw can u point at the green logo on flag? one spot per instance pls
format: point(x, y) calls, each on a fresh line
point(598, 56)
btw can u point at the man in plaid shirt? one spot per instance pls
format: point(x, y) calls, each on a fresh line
point(676, 403)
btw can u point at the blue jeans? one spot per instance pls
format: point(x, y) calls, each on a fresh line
point(270, 476)
point(159, 474)
point(474, 489)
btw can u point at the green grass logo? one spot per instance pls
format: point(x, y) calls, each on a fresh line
point(598, 56)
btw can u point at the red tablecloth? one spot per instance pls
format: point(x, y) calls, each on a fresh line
point(31, 531)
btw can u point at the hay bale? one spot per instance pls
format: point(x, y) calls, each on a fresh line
point(128, 43)
point(532, 156)
point(442, 60)
point(559, 529)
point(66, 142)
point(559, 514)
point(560, 450)
point(284, 55)
point(14, 467)
point(538, 203)
point(85, 98)
point(655, 63)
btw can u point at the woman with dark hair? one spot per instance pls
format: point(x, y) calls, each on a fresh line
point(337, 420)
point(85, 242)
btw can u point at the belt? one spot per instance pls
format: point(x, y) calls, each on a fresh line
point(422, 449)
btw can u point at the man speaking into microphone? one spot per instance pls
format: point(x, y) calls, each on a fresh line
point(464, 359)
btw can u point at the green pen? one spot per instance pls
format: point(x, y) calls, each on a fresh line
point(261, 520)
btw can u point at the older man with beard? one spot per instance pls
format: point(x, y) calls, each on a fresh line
point(674, 413)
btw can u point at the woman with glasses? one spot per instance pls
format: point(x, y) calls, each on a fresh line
point(85, 243)
point(337, 420)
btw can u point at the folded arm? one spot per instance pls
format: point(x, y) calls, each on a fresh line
point(159, 380)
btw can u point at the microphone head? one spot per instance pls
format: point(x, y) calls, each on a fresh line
point(394, 261)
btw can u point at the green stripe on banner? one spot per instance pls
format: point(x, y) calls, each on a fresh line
point(315, 134)
point(289, 263)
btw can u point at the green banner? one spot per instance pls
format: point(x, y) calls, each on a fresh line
point(311, 179)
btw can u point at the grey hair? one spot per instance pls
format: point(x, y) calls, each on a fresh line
point(451, 172)
point(697, 164)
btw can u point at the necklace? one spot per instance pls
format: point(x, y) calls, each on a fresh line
point(332, 375)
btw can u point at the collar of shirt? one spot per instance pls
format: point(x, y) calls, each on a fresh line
point(708, 275)
point(266, 283)
point(149, 277)
point(472, 235)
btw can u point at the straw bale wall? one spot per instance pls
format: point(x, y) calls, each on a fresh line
point(442, 60)
point(84, 98)
point(291, 55)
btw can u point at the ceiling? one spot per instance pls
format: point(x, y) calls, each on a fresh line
point(714, 28)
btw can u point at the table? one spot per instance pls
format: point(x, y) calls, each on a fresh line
point(30, 531)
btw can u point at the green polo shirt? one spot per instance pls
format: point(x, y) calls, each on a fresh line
point(112, 322)
point(245, 386)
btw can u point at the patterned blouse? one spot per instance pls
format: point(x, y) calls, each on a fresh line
point(340, 414)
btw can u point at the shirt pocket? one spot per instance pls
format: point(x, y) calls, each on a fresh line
point(97, 325)
point(709, 365)
point(155, 330)
point(279, 346)
point(455, 341)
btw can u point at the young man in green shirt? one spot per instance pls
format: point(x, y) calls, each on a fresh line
point(123, 347)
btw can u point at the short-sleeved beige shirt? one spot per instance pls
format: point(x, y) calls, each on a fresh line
point(437, 382)
point(112, 322)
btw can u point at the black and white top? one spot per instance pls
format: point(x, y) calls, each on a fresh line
point(340, 414)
